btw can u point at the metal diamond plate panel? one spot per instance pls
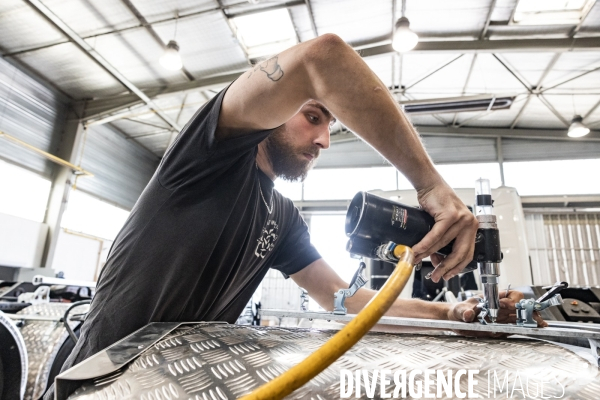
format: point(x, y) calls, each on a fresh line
point(227, 361)
point(43, 340)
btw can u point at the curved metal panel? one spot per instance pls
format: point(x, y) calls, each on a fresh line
point(10, 333)
point(216, 361)
point(43, 339)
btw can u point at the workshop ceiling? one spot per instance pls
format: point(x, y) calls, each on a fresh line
point(105, 53)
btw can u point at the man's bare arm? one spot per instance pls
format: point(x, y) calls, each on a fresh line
point(321, 282)
point(331, 72)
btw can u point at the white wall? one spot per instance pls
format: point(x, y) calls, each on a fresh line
point(79, 257)
point(21, 241)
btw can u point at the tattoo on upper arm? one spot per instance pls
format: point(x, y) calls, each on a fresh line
point(270, 67)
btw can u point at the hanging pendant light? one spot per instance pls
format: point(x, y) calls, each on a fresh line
point(171, 59)
point(404, 39)
point(577, 128)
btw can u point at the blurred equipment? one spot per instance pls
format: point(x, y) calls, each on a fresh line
point(580, 304)
point(38, 330)
point(13, 360)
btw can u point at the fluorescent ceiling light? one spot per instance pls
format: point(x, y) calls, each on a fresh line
point(551, 12)
point(265, 33)
point(453, 105)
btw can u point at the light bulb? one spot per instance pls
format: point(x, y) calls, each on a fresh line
point(404, 39)
point(577, 128)
point(171, 59)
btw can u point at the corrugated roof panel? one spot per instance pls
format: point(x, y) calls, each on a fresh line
point(193, 102)
point(441, 18)
point(448, 149)
point(415, 66)
point(301, 19)
point(530, 31)
point(529, 66)
point(73, 71)
point(526, 150)
point(350, 154)
point(587, 84)
point(121, 168)
point(489, 76)
point(497, 118)
point(140, 126)
point(352, 21)
point(31, 112)
point(503, 10)
point(426, 119)
point(592, 22)
point(157, 143)
point(207, 45)
point(571, 64)
point(135, 54)
point(570, 105)
point(449, 81)
point(469, 118)
point(22, 28)
point(92, 16)
point(154, 10)
point(537, 115)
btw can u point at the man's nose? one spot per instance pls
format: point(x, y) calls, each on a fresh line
point(322, 139)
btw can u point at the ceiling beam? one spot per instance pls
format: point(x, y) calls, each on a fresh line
point(101, 108)
point(96, 111)
point(142, 20)
point(494, 46)
point(311, 18)
point(142, 25)
point(486, 25)
point(101, 61)
point(485, 132)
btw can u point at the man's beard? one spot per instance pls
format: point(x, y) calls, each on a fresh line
point(287, 161)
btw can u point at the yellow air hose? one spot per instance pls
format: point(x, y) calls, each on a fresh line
point(342, 341)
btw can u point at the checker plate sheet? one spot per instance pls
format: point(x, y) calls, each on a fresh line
point(43, 340)
point(218, 362)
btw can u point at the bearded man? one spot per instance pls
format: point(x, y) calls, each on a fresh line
point(209, 224)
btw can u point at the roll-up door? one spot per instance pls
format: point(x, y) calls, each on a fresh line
point(530, 150)
point(32, 113)
point(442, 149)
point(121, 168)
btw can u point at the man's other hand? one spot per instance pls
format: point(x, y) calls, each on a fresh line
point(453, 220)
point(467, 311)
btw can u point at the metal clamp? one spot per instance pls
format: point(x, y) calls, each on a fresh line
point(303, 300)
point(339, 298)
point(526, 308)
point(385, 252)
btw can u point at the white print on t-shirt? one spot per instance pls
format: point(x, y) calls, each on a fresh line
point(267, 239)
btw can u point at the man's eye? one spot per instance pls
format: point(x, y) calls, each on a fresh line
point(313, 118)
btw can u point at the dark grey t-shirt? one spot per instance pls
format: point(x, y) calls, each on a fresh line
point(199, 240)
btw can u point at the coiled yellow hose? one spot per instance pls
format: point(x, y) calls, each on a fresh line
point(342, 341)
